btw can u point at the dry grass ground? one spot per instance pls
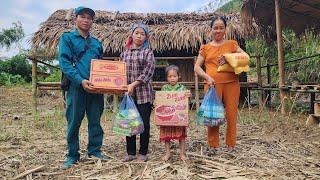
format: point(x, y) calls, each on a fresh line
point(270, 146)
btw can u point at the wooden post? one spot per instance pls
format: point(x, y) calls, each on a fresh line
point(249, 96)
point(34, 86)
point(268, 74)
point(259, 81)
point(316, 107)
point(280, 54)
point(268, 92)
point(196, 87)
point(312, 100)
point(115, 103)
point(115, 97)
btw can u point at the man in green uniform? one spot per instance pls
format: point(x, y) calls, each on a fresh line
point(76, 49)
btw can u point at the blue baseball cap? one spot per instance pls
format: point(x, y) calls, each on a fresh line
point(81, 9)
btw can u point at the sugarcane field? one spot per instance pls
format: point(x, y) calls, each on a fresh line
point(132, 90)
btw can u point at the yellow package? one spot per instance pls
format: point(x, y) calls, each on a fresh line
point(236, 62)
point(239, 70)
point(225, 68)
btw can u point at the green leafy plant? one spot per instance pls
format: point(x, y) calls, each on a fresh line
point(17, 66)
point(9, 79)
point(230, 7)
point(55, 76)
point(303, 71)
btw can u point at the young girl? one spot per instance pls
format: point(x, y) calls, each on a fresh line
point(168, 133)
point(140, 68)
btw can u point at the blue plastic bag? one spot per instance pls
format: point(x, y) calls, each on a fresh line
point(127, 121)
point(211, 111)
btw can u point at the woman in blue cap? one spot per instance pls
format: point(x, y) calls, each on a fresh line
point(140, 68)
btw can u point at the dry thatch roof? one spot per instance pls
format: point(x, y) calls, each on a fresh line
point(170, 33)
point(299, 15)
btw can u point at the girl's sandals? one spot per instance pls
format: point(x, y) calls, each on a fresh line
point(231, 150)
point(212, 151)
point(142, 158)
point(128, 158)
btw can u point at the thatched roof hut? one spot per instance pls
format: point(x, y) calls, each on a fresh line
point(172, 34)
point(296, 15)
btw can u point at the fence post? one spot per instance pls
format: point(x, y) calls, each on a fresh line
point(259, 81)
point(268, 92)
point(283, 94)
point(312, 99)
point(115, 103)
point(34, 86)
point(196, 87)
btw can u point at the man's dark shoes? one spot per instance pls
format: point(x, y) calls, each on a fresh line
point(69, 162)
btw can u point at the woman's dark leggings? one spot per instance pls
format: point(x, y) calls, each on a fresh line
point(145, 112)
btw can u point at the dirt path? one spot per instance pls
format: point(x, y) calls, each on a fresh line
point(269, 146)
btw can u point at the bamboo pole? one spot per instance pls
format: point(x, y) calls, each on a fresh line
point(268, 92)
point(49, 88)
point(55, 84)
point(259, 81)
point(29, 172)
point(34, 86)
point(159, 84)
point(196, 85)
point(280, 53)
point(180, 82)
point(156, 58)
point(291, 61)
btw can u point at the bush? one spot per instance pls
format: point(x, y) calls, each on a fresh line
point(17, 65)
point(304, 71)
point(9, 79)
point(55, 76)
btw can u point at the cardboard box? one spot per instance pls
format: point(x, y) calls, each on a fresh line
point(172, 108)
point(108, 76)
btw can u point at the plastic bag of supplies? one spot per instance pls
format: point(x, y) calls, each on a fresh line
point(127, 121)
point(211, 111)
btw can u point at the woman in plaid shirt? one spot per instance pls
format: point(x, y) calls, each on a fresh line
point(140, 68)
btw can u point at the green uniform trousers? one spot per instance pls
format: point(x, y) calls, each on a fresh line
point(79, 102)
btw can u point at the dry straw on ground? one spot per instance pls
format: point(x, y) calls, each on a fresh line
point(269, 147)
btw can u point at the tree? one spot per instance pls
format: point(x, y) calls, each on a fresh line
point(17, 65)
point(231, 7)
point(212, 6)
point(11, 35)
